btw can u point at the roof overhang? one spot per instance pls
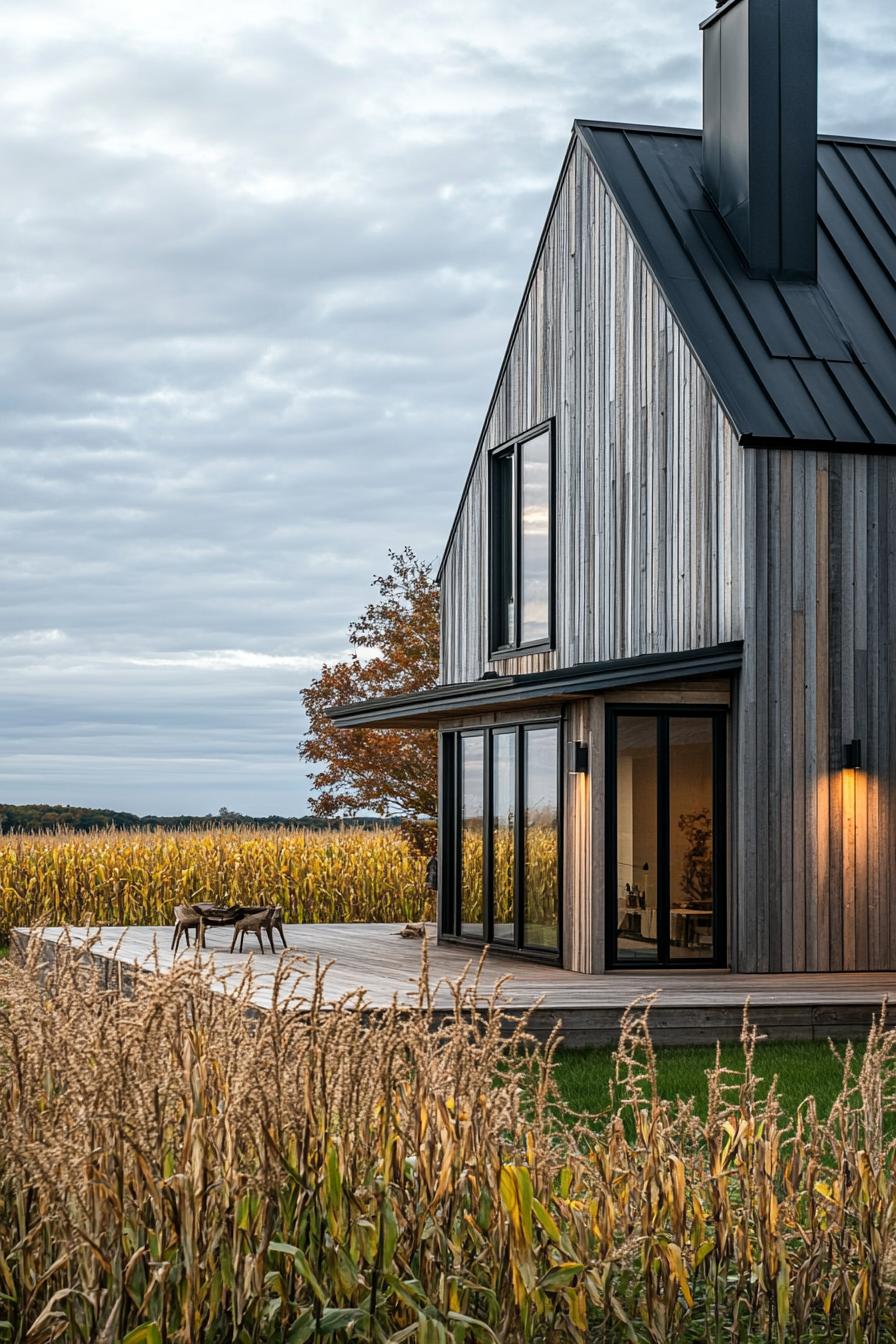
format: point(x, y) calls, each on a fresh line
point(424, 709)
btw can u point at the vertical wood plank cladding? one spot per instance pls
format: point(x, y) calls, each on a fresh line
point(816, 869)
point(796, 836)
point(649, 476)
point(836, 706)
point(821, 712)
point(747, 868)
point(671, 537)
point(887, 726)
point(598, 833)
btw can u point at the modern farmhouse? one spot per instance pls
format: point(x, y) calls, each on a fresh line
point(667, 705)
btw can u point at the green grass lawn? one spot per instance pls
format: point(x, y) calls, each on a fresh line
point(804, 1069)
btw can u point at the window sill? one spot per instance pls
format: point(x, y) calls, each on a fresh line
point(522, 651)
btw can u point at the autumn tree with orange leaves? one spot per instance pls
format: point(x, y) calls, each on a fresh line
point(385, 771)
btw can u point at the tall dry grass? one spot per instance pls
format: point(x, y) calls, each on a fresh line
point(137, 877)
point(173, 1168)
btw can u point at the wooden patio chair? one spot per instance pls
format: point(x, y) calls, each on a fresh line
point(276, 922)
point(185, 919)
point(258, 922)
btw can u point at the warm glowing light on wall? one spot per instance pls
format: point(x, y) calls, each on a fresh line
point(852, 755)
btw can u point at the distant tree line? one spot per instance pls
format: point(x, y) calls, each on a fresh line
point(33, 817)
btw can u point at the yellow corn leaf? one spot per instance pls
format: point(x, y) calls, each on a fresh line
point(510, 1197)
point(547, 1222)
point(782, 1297)
point(561, 1276)
point(675, 1259)
point(578, 1311)
point(144, 1334)
point(702, 1252)
point(526, 1196)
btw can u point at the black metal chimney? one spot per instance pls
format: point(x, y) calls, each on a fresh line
point(760, 130)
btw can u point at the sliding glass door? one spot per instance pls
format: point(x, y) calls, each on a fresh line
point(541, 831)
point(472, 814)
point(505, 856)
point(666, 829)
point(635, 869)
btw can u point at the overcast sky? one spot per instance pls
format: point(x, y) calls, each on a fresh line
point(259, 264)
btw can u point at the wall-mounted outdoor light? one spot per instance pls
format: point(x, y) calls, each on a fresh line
point(852, 755)
point(577, 758)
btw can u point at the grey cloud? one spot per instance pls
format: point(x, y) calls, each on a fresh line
point(257, 270)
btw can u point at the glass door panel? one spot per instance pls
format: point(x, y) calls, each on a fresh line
point(472, 834)
point(636, 892)
point(503, 830)
point(541, 894)
point(666, 799)
point(690, 839)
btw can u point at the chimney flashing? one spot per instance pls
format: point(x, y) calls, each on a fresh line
point(720, 10)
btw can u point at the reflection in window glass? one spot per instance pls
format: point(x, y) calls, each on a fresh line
point(690, 838)
point(503, 823)
point(636, 838)
point(472, 907)
point(541, 896)
point(504, 634)
point(535, 569)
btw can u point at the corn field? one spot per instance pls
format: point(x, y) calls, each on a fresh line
point(541, 875)
point(176, 1169)
point(137, 877)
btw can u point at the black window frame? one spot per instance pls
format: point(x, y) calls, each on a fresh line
point(450, 906)
point(719, 715)
point(512, 449)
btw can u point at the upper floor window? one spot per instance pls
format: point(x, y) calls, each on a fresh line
point(521, 487)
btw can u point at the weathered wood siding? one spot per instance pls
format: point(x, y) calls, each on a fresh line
point(583, 919)
point(669, 536)
point(816, 845)
point(649, 476)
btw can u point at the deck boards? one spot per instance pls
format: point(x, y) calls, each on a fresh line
point(691, 1007)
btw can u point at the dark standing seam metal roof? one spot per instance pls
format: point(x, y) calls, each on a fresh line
point(791, 362)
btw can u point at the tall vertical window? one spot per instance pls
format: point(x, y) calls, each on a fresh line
point(521, 543)
point(504, 787)
point(472, 820)
point(535, 540)
point(540, 838)
point(504, 852)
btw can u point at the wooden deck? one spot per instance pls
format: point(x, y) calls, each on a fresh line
point(692, 1006)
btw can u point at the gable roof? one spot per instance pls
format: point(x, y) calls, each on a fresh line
point(812, 366)
point(791, 362)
